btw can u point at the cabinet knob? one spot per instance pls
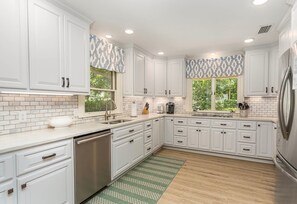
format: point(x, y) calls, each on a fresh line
point(131, 141)
point(23, 186)
point(63, 82)
point(68, 82)
point(10, 191)
point(259, 125)
point(266, 89)
point(272, 89)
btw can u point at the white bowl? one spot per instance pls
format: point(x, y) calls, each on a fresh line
point(60, 122)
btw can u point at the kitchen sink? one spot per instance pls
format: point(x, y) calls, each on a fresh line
point(116, 121)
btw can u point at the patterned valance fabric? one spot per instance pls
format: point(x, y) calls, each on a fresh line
point(104, 55)
point(229, 66)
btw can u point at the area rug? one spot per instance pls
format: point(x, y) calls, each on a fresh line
point(144, 184)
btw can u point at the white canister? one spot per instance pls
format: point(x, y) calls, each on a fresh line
point(133, 109)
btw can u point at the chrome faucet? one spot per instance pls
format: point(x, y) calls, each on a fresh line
point(108, 113)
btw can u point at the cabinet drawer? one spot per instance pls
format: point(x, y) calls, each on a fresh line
point(38, 157)
point(148, 148)
point(246, 136)
point(246, 125)
point(148, 136)
point(199, 122)
point(246, 149)
point(180, 141)
point(120, 133)
point(180, 121)
point(223, 124)
point(7, 170)
point(148, 125)
point(180, 130)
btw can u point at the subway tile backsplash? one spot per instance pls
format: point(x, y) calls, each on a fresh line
point(40, 108)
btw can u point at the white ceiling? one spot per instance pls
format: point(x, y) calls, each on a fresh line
point(184, 27)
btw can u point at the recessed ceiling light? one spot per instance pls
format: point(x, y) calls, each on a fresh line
point(250, 40)
point(213, 54)
point(129, 31)
point(108, 36)
point(160, 53)
point(259, 2)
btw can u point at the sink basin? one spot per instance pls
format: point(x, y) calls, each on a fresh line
point(116, 121)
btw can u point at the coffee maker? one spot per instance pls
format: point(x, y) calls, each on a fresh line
point(170, 108)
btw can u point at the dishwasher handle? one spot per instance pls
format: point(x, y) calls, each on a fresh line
point(93, 138)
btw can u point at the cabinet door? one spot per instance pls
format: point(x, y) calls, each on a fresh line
point(120, 156)
point(264, 139)
point(204, 138)
point(273, 71)
point(14, 44)
point(8, 193)
point(137, 148)
point(46, 46)
point(169, 131)
point(149, 76)
point(51, 185)
point(230, 141)
point(160, 78)
point(175, 80)
point(285, 38)
point(77, 55)
point(139, 71)
point(128, 75)
point(256, 73)
point(162, 131)
point(217, 140)
point(156, 134)
point(193, 135)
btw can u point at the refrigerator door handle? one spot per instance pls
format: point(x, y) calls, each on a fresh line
point(284, 168)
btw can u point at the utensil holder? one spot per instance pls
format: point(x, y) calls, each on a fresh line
point(243, 113)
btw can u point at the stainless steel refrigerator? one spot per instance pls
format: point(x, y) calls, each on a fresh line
point(286, 158)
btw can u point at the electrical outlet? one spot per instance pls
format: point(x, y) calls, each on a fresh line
point(22, 116)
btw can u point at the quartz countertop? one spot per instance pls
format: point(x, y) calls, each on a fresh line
point(18, 141)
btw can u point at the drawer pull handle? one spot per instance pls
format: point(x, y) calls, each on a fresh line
point(156, 120)
point(149, 136)
point(180, 121)
point(247, 137)
point(23, 186)
point(180, 141)
point(148, 149)
point(131, 130)
point(198, 123)
point(131, 141)
point(246, 126)
point(223, 124)
point(180, 131)
point(247, 150)
point(68, 82)
point(148, 125)
point(10, 191)
point(63, 82)
point(49, 156)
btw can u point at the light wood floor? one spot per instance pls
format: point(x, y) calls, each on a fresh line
point(216, 180)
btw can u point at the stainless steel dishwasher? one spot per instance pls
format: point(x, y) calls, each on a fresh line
point(92, 164)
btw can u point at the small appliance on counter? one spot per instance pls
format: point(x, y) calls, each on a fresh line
point(133, 109)
point(160, 108)
point(170, 108)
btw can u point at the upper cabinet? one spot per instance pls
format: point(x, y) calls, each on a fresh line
point(294, 24)
point(14, 44)
point(139, 73)
point(160, 78)
point(176, 79)
point(261, 67)
point(285, 38)
point(58, 44)
point(49, 47)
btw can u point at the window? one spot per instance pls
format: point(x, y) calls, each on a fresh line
point(103, 89)
point(219, 94)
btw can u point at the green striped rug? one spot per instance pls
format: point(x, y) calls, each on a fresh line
point(144, 184)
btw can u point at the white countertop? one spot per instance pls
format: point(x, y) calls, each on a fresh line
point(18, 141)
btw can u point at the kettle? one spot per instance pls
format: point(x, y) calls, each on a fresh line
point(170, 108)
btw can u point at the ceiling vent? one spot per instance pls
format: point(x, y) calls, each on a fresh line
point(264, 29)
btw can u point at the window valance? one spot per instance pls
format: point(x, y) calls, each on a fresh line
point(104, 55)
point(218, 67)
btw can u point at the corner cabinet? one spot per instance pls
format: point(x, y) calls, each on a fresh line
point(169, 133)
point(261, 72)
point(59, 46)
point(176, 78)
point(14, 44)
point(265, 139)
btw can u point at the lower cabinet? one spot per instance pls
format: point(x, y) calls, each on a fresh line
point(217, 139)
point(223, 140)
point(156, 134)
point(230, 141)
point(51, 185)
point(199, 138)
point(136, 148)
point(264, 139)
point(8, 192)
point(193, 137)
point(169, 131)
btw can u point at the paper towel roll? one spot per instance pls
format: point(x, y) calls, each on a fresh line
point(133, 109)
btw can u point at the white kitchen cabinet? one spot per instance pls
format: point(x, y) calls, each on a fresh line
point(294, 24)
point(162, 131)
point(204, 138)
point(193, 137)
point(121, 159)
point(169, 130)
point(264, 139)
point(50, 185)
point(176, 80)
point(273, 71)
point(149, 81)
point(285, 38)
point(8, 192)
point(160, 77)
point(137, 148)
point(77, 54)
point(230, 141)
point(217, 140)
point(156, 134)
point(128, 76)
point(256, 73)
point(139, 73)
point(59, 49)
point(14, 44)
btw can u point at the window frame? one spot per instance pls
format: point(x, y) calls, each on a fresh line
point(189, 99)
point(118, 96)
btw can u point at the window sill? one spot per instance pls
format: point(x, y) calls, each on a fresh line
point(94, 114)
